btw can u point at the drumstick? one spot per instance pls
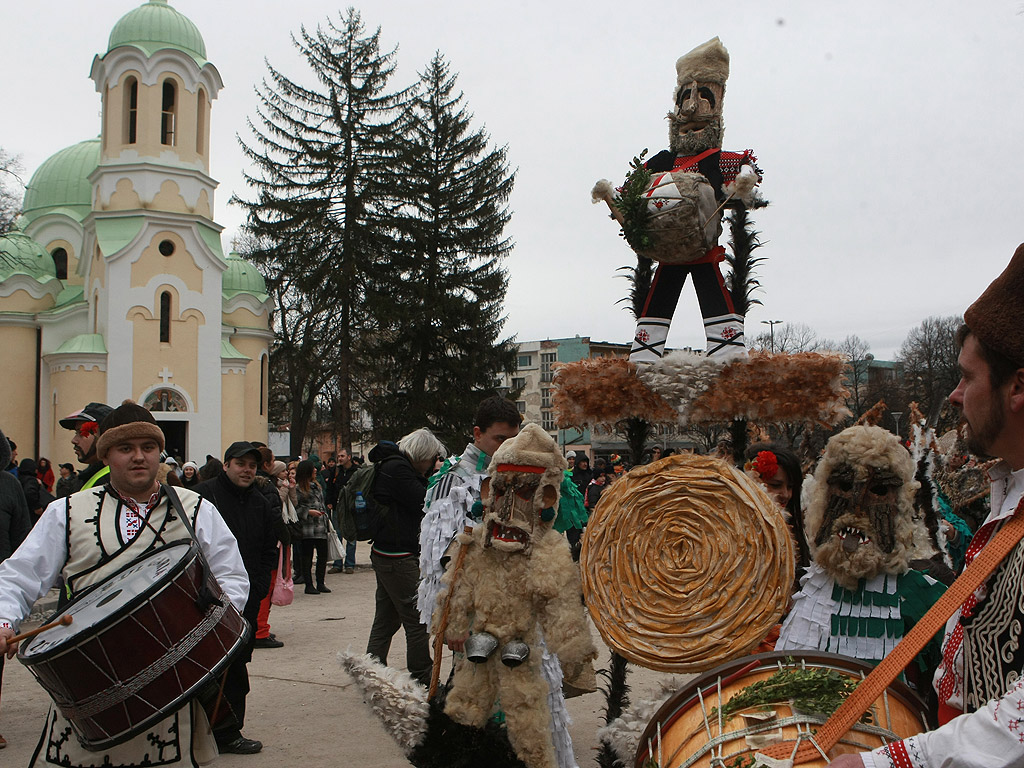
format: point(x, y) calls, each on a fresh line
point(63, 621)
point(442, 625)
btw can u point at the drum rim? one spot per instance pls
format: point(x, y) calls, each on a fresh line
point(897, 688)
point(131, 605)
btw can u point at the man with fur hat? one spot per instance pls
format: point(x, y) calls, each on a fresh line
point(690, 183)
point(85, 423)
point(979, 682)
point(90, 535)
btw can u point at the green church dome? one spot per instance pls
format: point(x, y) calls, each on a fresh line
point(62, 182)
point(156, 25)
point(242, 277)
point(20, 254)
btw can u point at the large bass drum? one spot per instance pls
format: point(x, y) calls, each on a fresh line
point(142, 643)
point(687, 730)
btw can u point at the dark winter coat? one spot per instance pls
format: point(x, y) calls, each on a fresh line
point(14, 516)
point(250, 518)
point(402, 489)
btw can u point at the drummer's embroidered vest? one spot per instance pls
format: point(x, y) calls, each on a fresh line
point(96, 549)
point(993, 653)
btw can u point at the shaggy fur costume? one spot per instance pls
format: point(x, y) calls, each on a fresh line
point(518, 583)
point(429, 738)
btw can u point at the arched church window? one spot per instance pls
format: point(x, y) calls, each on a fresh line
point(201, 121)
point(131, 110)
point(60, 262)
point(165, 400)
point(165, 317)
point(167, 113)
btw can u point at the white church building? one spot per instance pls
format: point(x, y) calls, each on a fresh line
point(116, 284)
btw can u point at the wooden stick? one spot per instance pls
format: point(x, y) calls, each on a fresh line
point(616, 213)
point(442, 625)
point(63, 621)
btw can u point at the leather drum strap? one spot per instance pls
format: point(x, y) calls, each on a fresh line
point(890, 667)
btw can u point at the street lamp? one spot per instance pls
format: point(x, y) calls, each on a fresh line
point(896, 417)
point(771, 327)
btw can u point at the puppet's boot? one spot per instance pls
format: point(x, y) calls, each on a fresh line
point(725, 337)
point(649, 340)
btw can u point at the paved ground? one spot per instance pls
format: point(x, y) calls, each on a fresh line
point(302, 704)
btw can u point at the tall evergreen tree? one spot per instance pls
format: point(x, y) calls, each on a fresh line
point(436, 351)
point(323, 209)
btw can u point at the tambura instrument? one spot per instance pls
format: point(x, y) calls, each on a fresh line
point(142, 643)
point(687, 730)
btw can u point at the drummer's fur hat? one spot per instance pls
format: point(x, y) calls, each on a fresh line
point(995, 317)
point(127, 422)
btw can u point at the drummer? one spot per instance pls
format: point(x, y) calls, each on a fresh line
point(74, 542)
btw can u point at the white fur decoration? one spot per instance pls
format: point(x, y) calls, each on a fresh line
point(394, 696)
point(623, 734)
point(602, 191)
point(680, 378)
point(743, 185)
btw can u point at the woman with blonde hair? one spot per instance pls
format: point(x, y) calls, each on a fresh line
point(399, 487)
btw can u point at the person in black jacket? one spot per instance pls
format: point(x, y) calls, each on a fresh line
point(14, 519)
point(400, 486)
point(249, 516)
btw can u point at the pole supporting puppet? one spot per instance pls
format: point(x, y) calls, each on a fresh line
point(442, 627)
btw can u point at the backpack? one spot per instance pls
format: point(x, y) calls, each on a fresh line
point(374, 515)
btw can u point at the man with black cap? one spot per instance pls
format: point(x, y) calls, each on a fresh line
point(85, 423)
point(979, 682)
point(90, 535)
point(251, 519)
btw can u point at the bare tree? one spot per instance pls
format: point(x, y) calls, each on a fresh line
point(929, 357)
point(11, 189)
point(789, 337)
point(859, 357)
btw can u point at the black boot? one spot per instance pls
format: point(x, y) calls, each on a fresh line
point(322, 588)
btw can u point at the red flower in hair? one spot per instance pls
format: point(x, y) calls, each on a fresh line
point(766, 464)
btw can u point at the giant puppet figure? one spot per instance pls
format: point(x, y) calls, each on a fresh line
point(690, 184)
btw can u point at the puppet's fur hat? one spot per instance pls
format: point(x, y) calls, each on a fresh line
point(707, 63)
point(995, 317)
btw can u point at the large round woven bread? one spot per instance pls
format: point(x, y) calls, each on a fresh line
point(686, 563)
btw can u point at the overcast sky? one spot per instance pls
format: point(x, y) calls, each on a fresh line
point(889, 135)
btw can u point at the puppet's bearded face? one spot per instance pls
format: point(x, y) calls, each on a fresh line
point(696, 122)
point(517, 514)
point(860, 534)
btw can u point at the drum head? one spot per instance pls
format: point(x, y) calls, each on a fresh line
point(109, 599)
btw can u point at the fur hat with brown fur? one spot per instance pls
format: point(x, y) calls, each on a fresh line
point(995, 317)
point(128, 421)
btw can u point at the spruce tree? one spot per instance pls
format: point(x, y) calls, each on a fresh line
point(436, 351)
point(322, 213)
